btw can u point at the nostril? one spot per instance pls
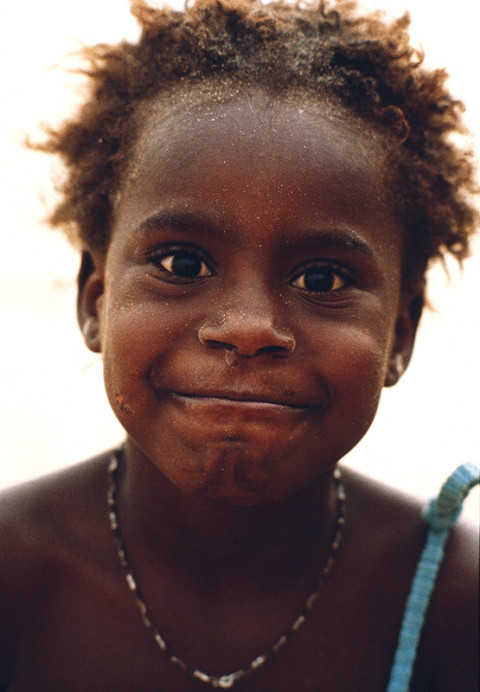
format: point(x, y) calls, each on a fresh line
point(274, 350)
point(214, 343)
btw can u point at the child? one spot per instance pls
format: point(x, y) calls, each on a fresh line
point(257, 193)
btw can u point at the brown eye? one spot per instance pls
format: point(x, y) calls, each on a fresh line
point(185, 265)
point(319, 280)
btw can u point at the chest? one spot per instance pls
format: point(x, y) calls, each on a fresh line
point(88, 634)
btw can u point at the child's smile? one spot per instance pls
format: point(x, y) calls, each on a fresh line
point(252, 294)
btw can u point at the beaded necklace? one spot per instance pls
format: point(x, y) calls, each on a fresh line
point(223, 681)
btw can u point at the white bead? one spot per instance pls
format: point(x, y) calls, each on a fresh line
point(298, 623)
point(131, 582)
point(160, 641)
point(227, 681)
point(259, 661)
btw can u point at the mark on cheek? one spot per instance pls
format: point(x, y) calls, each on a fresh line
point(122, 404)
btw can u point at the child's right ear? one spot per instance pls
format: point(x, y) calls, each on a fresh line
point(89, 299)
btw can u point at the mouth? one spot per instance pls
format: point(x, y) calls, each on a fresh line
point(247, 400)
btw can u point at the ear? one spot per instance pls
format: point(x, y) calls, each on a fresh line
point(90, 292)
point(405, 332)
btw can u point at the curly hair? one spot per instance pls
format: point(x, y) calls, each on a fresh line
point(365, 62)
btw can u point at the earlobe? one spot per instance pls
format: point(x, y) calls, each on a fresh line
point(90, 291)
point(405, 332)
point(396, 367)
point(91, 334)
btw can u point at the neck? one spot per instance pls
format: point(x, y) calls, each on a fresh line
point(159, 516)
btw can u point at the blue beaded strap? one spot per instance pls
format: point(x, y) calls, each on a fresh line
point(441, 514)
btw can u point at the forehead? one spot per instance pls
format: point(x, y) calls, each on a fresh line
point(227, 148)
point(286, 126)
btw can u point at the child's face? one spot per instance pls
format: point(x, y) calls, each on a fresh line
point(251, 297)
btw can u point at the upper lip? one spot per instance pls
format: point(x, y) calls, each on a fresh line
point(243, 396)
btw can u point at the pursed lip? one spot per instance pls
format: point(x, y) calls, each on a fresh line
point(247, 399)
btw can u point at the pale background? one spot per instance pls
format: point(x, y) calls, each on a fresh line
point(53, 411)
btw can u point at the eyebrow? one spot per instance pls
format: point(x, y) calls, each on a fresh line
point(335, 239)
point(183, 220)
point(198, 221)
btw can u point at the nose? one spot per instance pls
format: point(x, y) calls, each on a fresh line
point(247, 333)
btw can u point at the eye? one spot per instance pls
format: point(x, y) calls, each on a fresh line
point(183, 264)
point(321, 279)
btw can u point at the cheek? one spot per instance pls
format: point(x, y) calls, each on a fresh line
point(354, 363)
point(137, 334)
point(131, 337)
point(360, 366)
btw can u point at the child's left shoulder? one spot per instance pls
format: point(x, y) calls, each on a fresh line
point(448, 652)
point(451, 639)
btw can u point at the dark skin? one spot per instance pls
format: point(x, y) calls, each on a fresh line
point(249, 311)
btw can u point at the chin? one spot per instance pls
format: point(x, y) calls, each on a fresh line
point(235, 481)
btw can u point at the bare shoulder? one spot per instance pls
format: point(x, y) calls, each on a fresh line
point(448, 652)
point(44, 517)
point(44, 525)
point(380, 510)
point(451, 628)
